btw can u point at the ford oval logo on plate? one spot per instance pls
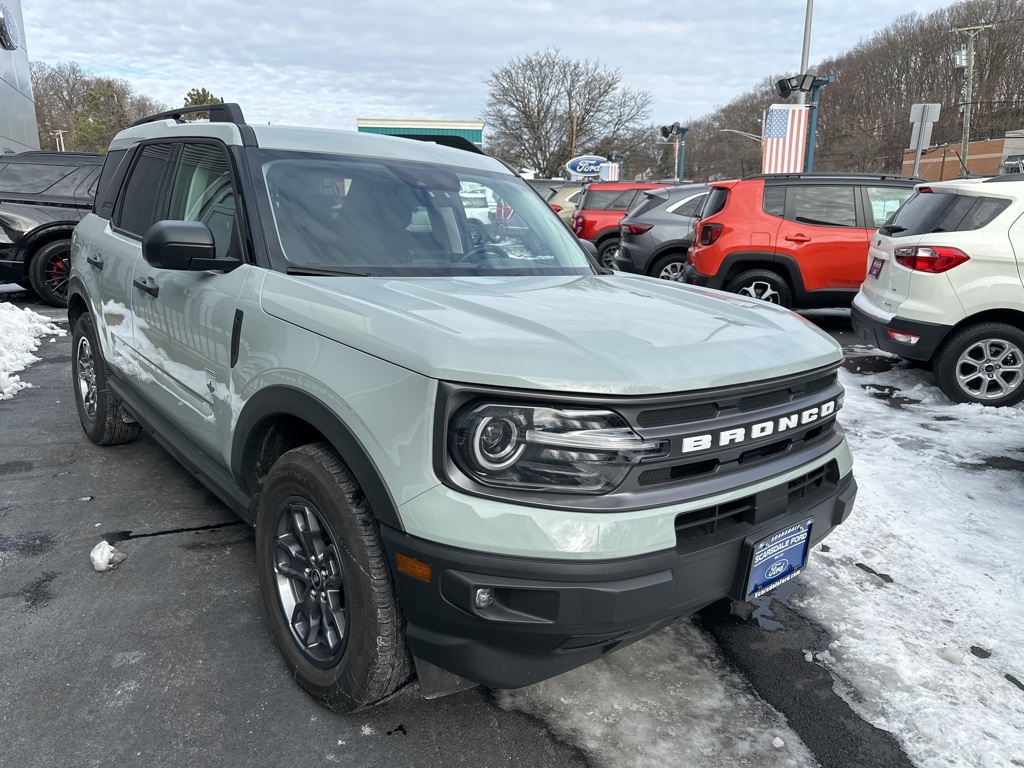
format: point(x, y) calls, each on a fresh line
point(585, 165)
point(777, 569)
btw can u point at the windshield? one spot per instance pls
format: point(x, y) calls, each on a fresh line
point(334, 214)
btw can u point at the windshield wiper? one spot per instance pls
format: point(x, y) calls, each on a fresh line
point(891, 229)
point(327, 272)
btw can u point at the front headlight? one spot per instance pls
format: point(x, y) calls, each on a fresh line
point(543, 448)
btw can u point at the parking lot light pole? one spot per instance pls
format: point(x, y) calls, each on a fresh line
point(812, 119)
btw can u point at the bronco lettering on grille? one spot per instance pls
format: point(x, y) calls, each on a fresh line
point(776, 426)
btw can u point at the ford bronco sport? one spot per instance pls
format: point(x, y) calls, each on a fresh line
point(450, 469)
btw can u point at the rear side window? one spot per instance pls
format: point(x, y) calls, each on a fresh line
point(716, 201)
point(825, 206)
point(689, 208)
point(607, 200)
point(883, 202)
point(142, 194)
point(774, 203)
point(649, 202)
point(928, 212)
point(110, 182)
point(32, 178)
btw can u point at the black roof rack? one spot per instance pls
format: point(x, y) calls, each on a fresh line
point(834, 174)
point(219, 113)
point(455, 142)
point(1005, 177)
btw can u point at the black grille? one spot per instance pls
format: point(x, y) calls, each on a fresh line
point(711, 520)
point(765, 401)
point(812, 481)
point(681, 415)
point(678, 472)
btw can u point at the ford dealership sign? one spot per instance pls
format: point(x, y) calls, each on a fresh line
point(585, 165)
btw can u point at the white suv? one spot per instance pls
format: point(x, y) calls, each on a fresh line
point(945, 285)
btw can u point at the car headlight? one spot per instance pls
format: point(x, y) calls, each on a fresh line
point(569, 450)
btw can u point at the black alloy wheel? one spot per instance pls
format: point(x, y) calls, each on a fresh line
point(49, 270)
point(310, 582)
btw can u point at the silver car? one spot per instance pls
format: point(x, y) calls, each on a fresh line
point(655, 236)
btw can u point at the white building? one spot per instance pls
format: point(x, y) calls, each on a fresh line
point(18, 131)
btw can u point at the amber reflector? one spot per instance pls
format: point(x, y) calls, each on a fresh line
point(413, 567)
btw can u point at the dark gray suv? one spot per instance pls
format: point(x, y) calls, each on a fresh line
point(656, 234)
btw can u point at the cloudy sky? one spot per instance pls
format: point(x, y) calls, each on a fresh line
point(327, 62)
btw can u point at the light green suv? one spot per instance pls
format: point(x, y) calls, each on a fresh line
point(485, 463)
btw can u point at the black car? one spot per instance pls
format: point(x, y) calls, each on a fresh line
point(43, 195)
point(656, 234)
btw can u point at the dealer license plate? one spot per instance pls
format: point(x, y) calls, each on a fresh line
point(876, 267)
point(778, 558)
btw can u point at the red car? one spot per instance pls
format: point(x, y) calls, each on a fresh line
point(602, 206)
point(798, 240)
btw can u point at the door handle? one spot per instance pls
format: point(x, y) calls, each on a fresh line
point(147, 285)
point(95, 261)
point(798, 238)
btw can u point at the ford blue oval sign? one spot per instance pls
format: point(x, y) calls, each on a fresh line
point(585, 165)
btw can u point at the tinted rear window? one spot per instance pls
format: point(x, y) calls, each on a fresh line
point(716, 201)
point(774, 203)
point(928, 212)
point(30, 178)
point(607, 199)
point(648, 203)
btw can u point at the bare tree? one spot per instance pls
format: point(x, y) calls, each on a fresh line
point(544, 107)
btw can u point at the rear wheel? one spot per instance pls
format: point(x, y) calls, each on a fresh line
point(762, 284)
point(670, 267)
point(326, 584)
point(605, 252)
point(984, 364)
point(48, 272)
point(477, 235)
point(104, 419)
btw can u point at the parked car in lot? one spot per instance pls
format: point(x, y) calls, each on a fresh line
point(565, 199)
point(654, 237)
point(490, 467)
point(601, 207)
point(43, 195)
point(944, 285)
point(798, 240)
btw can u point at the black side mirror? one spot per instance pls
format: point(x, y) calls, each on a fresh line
point(589, 247)
point(183, 245)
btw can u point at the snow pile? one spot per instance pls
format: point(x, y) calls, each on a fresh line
point(20, 331)
point(668, 700)
point(106, 557)
point(922, 588)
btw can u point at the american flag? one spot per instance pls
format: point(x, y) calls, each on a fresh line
point(785, 139)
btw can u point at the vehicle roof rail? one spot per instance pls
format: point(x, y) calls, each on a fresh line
point(219, 113)
point(834, 174)
point(456, 142)
point(1005, 177)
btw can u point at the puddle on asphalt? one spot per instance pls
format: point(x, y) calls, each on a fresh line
point(1006, 463)
point(866, 364)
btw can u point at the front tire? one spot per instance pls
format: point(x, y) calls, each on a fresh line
point(48, 272)
point(762, 284)
point(984, 364)
point(104, 419)
point(326, 585)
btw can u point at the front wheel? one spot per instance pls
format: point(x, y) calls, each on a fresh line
point(762, 284)
point(326, 585)
point(984, 364)
point(48, 272)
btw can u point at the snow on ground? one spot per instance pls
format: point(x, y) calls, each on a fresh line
point(20, 331)
point(940, 521)
point(934, 655)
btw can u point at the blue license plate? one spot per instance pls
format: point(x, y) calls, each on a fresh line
point(778, 558)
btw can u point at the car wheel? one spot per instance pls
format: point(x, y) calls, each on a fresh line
point(477, 235)
point(984, 364)
point(670, 267)
point(48, 272)
point(103, 418)
point(762, 284)
point(606, 251)
point(326, 585)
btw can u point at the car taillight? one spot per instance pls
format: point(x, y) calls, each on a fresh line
point(634, 229)
point(502, 211)
point(556, 208)
point(577, 223)
point(933, 260)
point(709, 233)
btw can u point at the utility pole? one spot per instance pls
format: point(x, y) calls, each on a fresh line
point(801, 97)
point(972, 32)
point(59, 136)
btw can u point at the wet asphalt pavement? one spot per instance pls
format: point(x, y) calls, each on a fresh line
point(167, 661)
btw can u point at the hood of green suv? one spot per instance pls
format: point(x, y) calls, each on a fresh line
point(612, 334)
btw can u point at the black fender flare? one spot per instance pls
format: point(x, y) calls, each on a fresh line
point(289, 401)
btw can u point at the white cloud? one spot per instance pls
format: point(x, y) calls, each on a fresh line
point(326, 63)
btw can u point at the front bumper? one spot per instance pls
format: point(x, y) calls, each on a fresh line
point(550, 616)
point(874, 331)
